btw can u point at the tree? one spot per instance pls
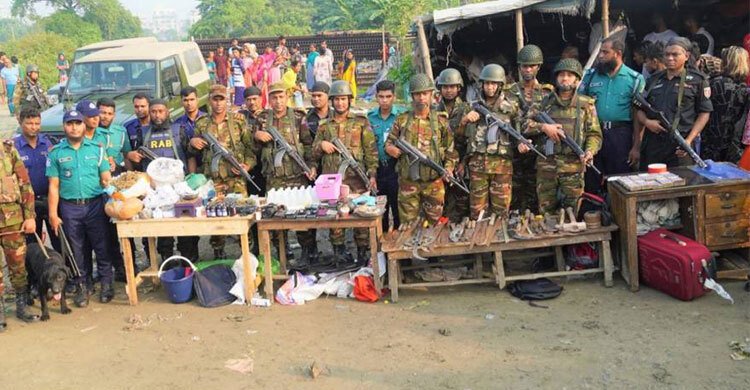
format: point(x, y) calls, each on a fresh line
point(40, 48)
point(69, 24)
point(230, 18)
point(26, 7)
point(12, 28)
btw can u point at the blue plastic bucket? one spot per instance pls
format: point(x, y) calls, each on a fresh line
point(179, 288)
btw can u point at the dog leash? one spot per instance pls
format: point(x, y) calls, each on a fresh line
point(41, 245)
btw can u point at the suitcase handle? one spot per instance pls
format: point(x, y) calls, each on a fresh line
point(673, 238)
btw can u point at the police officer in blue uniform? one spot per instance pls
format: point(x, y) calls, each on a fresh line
point(138, 125)
point(33, 148)
point(169, 140)
point(78, 172)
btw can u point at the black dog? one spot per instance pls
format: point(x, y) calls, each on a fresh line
point(48, 275)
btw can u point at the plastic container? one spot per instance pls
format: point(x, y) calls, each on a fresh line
point(165, 171)
point(178, 281)
point(657, 168)
point(328, 187)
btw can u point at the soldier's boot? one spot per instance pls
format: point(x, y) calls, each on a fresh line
point(342, 255)
point(21, 314)
point(3, 324)
point(314, 255)
point(219, 253)
point(363, 256)
point(107, 293)
point(81, 298)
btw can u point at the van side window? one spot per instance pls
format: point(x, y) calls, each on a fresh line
point(193, 60)
point(170, 78)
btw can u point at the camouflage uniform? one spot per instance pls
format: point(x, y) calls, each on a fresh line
point(16, 205)
point(456, 201)
point(289, 174)
point(234, 134)
point(563, 171)
point(355, 133)
point(524, 165)
point(256, 120)
point(491, 165)
point(433, 137)
point(23, 97)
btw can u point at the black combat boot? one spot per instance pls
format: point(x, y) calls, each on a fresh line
point(219, 253)
point(342, 255)
point(3, 324)
point(22, 296)
point(363, 256)
point(107, 293)
point(82, 296)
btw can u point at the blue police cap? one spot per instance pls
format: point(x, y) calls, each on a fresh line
point(87, 108)
point(72, 116)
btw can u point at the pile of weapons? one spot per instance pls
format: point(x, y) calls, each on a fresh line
point(419, 235)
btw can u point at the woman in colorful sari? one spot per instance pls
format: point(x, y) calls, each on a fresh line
point(349, 72)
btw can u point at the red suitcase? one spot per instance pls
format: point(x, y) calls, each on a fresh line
point(672, 264)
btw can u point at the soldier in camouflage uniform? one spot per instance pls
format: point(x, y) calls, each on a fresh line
point(560, 177)
point(450, 83)
point(232, 132)
point(525, 93)
point(490, 164)
point(17, 218)
point(428, 131)
point(355, 133)
point(30, 92)
point(289, 122)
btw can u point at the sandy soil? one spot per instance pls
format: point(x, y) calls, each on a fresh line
point(448, 338)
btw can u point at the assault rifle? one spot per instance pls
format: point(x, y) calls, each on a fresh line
point(543, 117)
point(494, 123)
point(640, 103)
point(219, 153)
point(35, 92)
point(415, 157)
point(282, 148)
point(348, 161)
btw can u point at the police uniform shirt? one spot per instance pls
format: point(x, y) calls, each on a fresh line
point(313, 121)
point(35, 160)
point(662, 93)
point(187, 124)
point(135, 132)
point(118, 143)
point(79, 169)
point(614, 95)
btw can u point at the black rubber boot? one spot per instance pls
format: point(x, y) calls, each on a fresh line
point(363, 256)
point(21, 297)
point(3, 324)
point(342, 255)
point(219, 253)
point(82, 297)
point(107, 293)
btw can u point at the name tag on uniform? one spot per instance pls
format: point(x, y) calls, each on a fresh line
point(90, 157)
point(657, 86)
point(64, 159)
point(160, 144)
point(24, 158)
point(597, 84)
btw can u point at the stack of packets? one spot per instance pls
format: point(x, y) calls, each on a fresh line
point(649, 181)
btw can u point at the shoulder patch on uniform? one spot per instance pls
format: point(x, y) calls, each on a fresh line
point(547, 87)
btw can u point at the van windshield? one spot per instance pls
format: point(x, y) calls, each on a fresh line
point(116, 76)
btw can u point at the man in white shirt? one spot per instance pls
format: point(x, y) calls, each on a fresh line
point(661, 33)
point(698, 34)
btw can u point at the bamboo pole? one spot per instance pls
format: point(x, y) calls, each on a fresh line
point(519, 30)
point(605, 18)
point(424, 50)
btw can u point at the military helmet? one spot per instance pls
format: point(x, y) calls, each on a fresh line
point(450, 76)
point(530, 55)
point(32, 68)
point(420, 83)
point(492, 72)
point(340, 88)
point(277, 87)
point(570, 65)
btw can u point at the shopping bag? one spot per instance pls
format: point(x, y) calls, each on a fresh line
point(212, 285)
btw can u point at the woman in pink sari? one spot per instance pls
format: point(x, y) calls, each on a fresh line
point(263, 72)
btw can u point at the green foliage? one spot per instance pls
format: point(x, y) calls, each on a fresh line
point(40, 48)
point(12, 29)
point(69, 24)
point(242, 18)
point(401, 74)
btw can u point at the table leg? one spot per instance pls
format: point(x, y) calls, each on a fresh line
point(559, 258)
point(478, 267)
point(152, 255)
point(499, 270)
point(632, 247)
point(393, 274)
point(606, 254)
point(374, 258)
point(282, 250)
point(130, 288)
point(264, 242)
point(249, 273)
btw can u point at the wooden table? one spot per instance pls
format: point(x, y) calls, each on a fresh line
point(179, 227)
point(265, 226)
point(601, 235)
point(712, 213)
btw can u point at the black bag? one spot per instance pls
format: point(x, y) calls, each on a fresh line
point(212, 285)
point(535, 290)
point(592, 202)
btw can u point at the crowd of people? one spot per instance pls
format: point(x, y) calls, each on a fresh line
point(242, 66)
point(66, 185)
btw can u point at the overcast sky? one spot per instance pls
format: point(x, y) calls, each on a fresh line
point(139, 8)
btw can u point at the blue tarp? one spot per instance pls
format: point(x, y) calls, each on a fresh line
point(721, 171)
